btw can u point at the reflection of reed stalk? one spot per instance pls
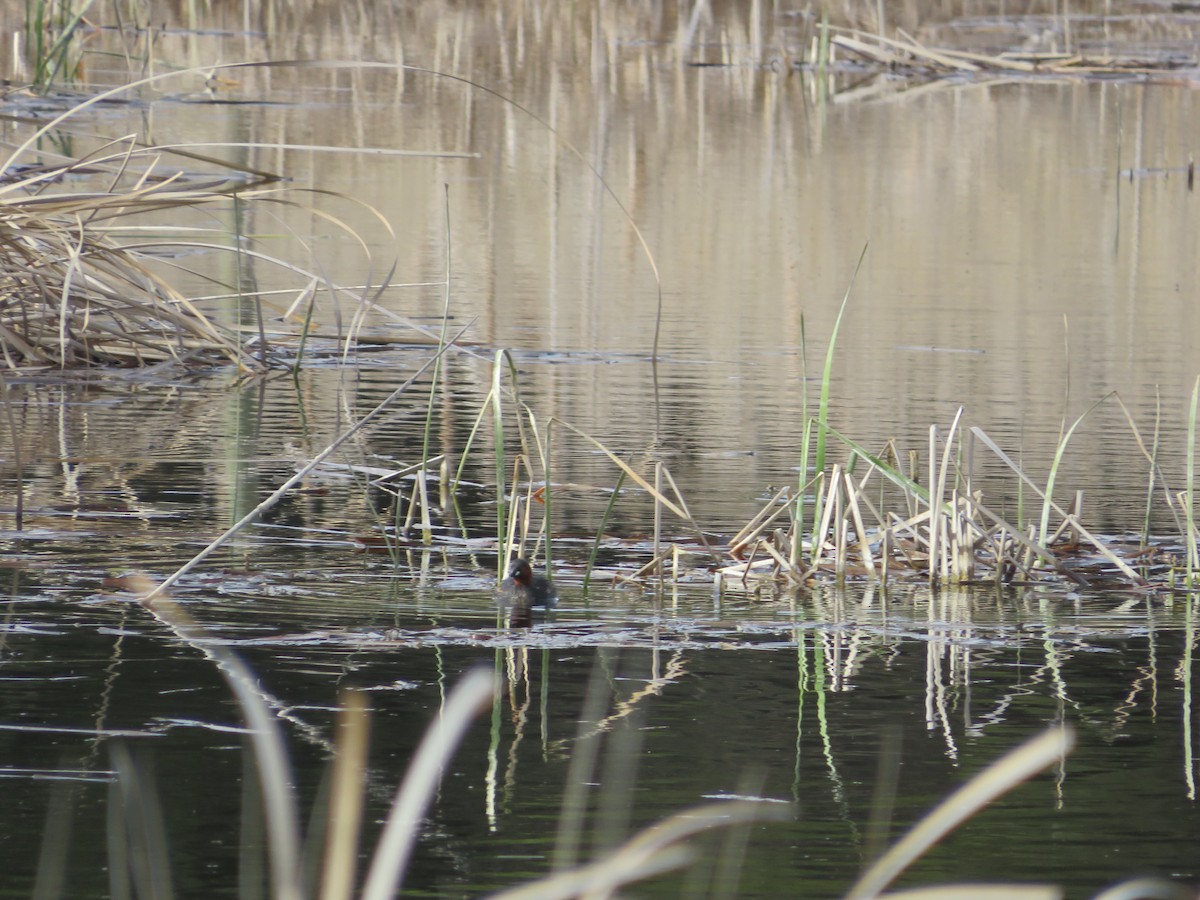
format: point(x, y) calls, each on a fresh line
point(18, 464)
point(1189, 751)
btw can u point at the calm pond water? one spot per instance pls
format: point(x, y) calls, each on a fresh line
point(1030, 248)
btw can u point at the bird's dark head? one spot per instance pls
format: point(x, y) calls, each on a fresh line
point(520, 572)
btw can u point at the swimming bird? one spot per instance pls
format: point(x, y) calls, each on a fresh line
point(521, 591)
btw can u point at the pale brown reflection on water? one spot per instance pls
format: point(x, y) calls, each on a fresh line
point(1030, 249)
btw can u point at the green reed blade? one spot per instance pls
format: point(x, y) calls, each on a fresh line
point(608, 509)
point(902, 481)
point(827, 374)
point(1048, 494)
point(304, 330)
point(800, 506)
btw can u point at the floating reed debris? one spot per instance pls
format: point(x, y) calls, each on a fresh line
point(910, 55)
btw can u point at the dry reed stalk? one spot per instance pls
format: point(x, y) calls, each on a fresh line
point(648, 569)
point(1050, 504)
point(774, 508)
point(345, 817)
point(860, 532)
point(824, 508)
point(910, 54)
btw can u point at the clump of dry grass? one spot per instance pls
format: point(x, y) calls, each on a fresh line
point(82, 278)
point(869, 519)
point(72, 294)
point(77, 285)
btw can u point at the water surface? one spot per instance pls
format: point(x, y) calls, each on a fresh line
point(1029, 250)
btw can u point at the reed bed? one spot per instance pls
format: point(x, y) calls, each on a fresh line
point(865, 518)
point(86, 261)
point(74, 294)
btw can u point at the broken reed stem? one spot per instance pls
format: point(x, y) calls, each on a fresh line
point(859, 531)
point(775, 507)
point(300, 475)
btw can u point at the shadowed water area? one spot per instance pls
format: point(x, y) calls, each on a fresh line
point(1030, 248)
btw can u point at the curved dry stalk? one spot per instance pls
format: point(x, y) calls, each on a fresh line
point(75, 294)
point(278, 493)
point(270, 751)
point(653, 850)
point(472, 694)
point(1001, 776)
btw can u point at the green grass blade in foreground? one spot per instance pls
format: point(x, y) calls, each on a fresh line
point(827, 374)
point(1001, 776)
point(470, 696)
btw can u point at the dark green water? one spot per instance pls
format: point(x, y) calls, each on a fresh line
point(809, 704)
